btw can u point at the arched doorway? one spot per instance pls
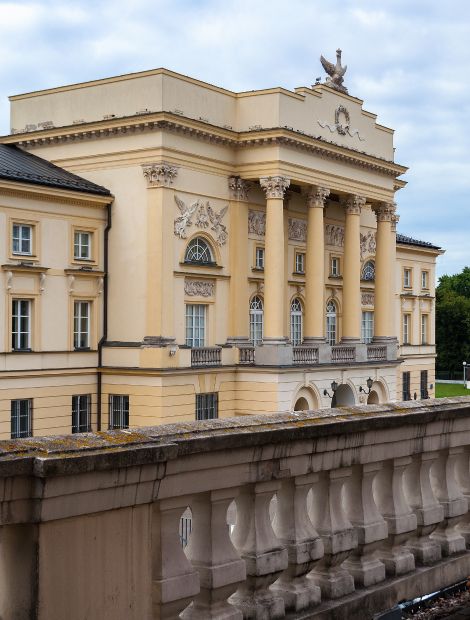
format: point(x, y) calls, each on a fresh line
point(343, 397)
point(301, 404)
point(373, 398)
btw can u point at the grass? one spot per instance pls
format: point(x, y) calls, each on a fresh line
point(451, 389)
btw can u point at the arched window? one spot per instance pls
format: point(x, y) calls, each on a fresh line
point(296, 322)
point(198, 251)
point(331, 322)
point(368, 271)
point(256, 320)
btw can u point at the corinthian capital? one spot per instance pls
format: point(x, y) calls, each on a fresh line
point(239, 188)
point(395, 219)
point(385, 211)
point(274, 187)
point(159, 175)
point(354, 204)
point(317, 196)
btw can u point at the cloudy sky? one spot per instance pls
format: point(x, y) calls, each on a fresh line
point(409, 60)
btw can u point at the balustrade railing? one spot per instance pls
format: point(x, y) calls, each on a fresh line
point(376, 353)
point(246, 355)
point(343, 354)
point(206, 356)
point(305, 355)
point(338, 508)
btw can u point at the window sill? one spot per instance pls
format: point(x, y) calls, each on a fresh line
point(258, 269)
point(21, 351)
point(335, 277)
point(194, 264)
point(78, 349)
point(298, 273)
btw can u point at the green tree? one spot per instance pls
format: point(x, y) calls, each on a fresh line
point(453, 321)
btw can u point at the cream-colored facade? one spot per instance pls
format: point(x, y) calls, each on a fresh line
point(251, 255)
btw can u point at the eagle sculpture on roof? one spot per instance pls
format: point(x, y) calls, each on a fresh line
point(335, 72)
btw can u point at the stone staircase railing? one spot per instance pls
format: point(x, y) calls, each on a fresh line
point(338, 515)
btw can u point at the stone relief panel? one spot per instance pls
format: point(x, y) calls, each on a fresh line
point(198, 288)
point(368, 243)
point(334, 235)
point(257, 223)
point(367, 299)
point(205, 217)
point(297, 229)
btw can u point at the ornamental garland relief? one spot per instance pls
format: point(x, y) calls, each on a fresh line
point(205, 217)
point(198, 288)
point(297, 230)
point(367, 299)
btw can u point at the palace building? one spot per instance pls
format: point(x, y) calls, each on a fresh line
point(176, 251)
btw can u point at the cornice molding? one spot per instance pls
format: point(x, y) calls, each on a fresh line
point(51, 194)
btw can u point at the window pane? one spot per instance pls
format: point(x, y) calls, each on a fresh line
point(21, 418)
point(118, 411)
point(195, 325)
point(207, 406)
point(198, 251)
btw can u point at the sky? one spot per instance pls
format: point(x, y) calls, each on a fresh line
point(409, 60)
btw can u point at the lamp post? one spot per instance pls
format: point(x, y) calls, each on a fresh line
point(334, 387)
point(464, 364)
point(369, 383)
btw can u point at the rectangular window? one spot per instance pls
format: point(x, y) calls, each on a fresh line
point(406, 328)
point(21, 418)
point(406, 278)
point(406, 395)
point(21, 325)
point(425, 280)
point(334, 270)
point(81, 324)
point(81, 413)
point(22, 242)
point(195, 325)
point(82, 245)
point(299, 262)
point(207, 406)
point(424, 328)
point(118, 411)
point(259, 258)
point(424, 384)
point(367, 326)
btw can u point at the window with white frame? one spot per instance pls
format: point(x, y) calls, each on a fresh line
point(424, 280)
point(406, 385)
point(406, 278)
point(82, 245)
point(195, 325)
point(424, 329)
point(81, 413)
point(406, 328)
point(118, 411)
point(334, 266)
point(21, 325)
point(367, 326)
point(22, 241)
point(256, 320)
point(81, 324)
point(368, 271)
point(296, 322)
point(259, 258)
point(198, 251)
point(299, 262)
point(331, 331)
point(21, 418)
point(207, 406)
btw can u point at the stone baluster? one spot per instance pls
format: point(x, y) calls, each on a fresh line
point(265, 557)
point(211, 552)
point(429, 512)
point(338, 535)
point(174, 580)
point(294, 529)
point(391, 501)
point(370, 526)
point(462, 471)
point(447, 491)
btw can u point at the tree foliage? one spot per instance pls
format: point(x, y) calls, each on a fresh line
point(453, 321)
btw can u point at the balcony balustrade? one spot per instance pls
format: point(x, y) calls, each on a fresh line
point(337, 516)
point(305, 355)
point(246, 355)
point(343, 355)
point(376, 353)
point(206, 356)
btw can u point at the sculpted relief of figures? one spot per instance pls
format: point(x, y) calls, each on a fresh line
point(334, 235)
point(367, 299)
point(205, 217)
point(368, 243)
point(297, 230)
point(257, 223)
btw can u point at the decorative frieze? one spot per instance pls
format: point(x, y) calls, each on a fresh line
point(206, 217)
point(334, 235)
point(238, 188)
point(257, 223)
point(368, 243)
point(198, 288)
point(354, 203)
point(367, 299)
point(159, 175)
point(317, 197)
point(297, 229)
point(274, 187)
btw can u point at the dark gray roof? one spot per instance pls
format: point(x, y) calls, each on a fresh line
point(410, 241)
point(18, 165)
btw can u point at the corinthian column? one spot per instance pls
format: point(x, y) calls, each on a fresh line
point(274, 279)
point(315, 266)
point(352, 269)
point(384, 272)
